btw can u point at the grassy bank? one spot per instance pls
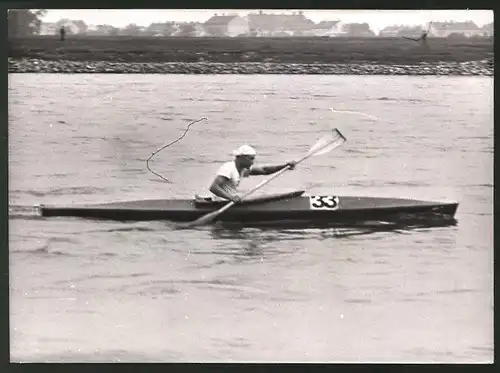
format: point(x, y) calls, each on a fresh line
point(285, 50)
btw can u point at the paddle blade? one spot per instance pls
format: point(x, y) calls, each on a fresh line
point(327, 143)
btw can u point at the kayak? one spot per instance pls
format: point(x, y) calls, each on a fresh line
point(293, 207)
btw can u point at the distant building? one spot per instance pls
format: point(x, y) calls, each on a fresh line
point(279, 24)
point(161, 29)
point(92, 30)
point(401, 30)
point(199, 30)
point(487, 30)
point(328, 28)
point(131, 30)
point(226, 25)
point(101, 30)
point(358, 30)
point(445, 29)
point(390, 31)
point(189, 29)
point(81, 27)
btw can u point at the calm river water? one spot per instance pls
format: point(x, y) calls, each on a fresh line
point(84, 290)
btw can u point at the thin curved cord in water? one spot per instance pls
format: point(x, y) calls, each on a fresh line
point(173, 142)
point(354, 112)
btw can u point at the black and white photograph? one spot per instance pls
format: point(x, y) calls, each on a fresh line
point(250, 185)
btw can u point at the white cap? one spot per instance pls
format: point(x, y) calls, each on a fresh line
point(244, 150)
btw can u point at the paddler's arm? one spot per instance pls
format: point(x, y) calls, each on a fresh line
point(268, 170)
point(220, 189)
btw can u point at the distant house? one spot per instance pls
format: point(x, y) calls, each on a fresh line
point(226, 25)
point(82, 27)
point(159, 29)
point(92, 30)
point(358, 30)
point(401, 30)
point(445, 29)
point(487, 30)
point(131, 30)
point(279, 24)
point(162, 29)
point(199, 30)
point(189, 29)
point(101, 30)
point(328, 28)
point(390, 31)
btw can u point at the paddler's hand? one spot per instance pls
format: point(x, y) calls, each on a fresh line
point(236, 198)
point(291, 165)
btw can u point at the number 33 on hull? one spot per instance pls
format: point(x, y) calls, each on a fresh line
point(324, 202)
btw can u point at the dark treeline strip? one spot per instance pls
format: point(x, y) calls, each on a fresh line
point(286, 50)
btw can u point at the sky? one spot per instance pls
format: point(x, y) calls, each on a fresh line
point(377, 19)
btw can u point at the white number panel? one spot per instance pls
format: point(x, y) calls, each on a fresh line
point(324, 202)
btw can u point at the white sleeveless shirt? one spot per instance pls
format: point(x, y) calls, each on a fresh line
point(230, 171)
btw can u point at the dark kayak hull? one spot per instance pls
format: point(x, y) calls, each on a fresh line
point(289, 207)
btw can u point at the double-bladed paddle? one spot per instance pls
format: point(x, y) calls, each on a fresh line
point(324, 145)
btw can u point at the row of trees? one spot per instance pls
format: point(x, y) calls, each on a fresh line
point(24, 22)
point(165, 29)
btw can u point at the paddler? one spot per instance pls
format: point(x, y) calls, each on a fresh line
point(228, 177)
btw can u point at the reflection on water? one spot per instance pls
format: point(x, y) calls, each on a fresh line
point(276, 231)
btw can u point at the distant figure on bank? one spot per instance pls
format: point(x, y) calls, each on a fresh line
point(62, 33)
